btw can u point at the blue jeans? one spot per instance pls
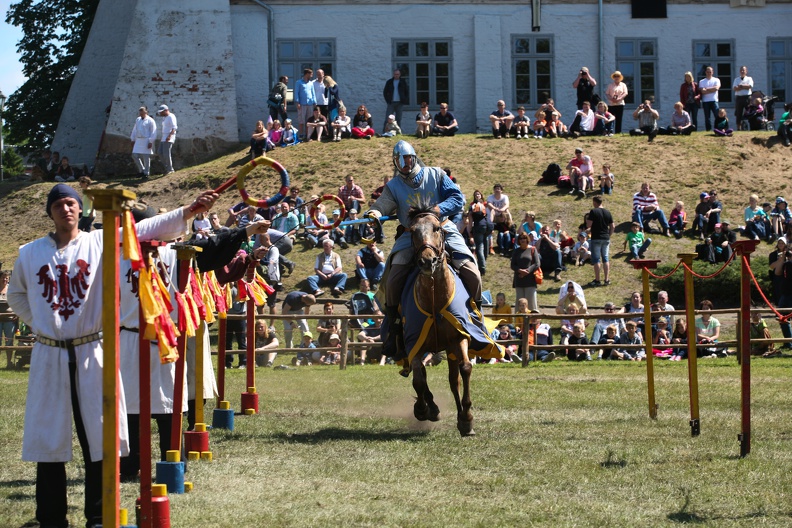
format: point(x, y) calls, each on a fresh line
point(599, 250)
point(373, 275)
point(644, 218)
point(636, 251)
point(678, 226)
point(709, 106)
point(481, 240)
point(335, 281)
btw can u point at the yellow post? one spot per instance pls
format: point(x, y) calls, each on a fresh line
point(690, 319)
point(110, 203)
point(649, 353)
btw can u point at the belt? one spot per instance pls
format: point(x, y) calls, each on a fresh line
point(137, 331)
point(68, 343)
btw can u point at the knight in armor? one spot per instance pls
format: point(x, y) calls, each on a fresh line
point(414, 185)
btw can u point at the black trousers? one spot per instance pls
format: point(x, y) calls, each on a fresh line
point(51, 506)
point(130, 465)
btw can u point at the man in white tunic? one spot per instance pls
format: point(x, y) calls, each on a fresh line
point(52, 290)
point(143, 136)
point(168, 137)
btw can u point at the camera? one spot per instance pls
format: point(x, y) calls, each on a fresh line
point(583, 72)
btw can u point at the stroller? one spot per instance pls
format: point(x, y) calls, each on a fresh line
point(361, 305)
point(764, 120)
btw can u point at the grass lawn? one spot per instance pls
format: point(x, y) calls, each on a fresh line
point(561, 444)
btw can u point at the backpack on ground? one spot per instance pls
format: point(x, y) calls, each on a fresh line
point(552, 174)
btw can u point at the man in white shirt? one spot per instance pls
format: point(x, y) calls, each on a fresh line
point(168, 137)
point(709, 86)
point(143, 136)
point(583, 124)
point(319, 92)
point(743, 86)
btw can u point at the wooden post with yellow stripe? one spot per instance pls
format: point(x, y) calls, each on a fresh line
point(690, 320)
point(110, 203)
point(645, 266)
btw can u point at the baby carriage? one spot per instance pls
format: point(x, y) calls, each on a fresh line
point(764, 119)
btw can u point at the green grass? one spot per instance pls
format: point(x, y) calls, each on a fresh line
point(562, 444)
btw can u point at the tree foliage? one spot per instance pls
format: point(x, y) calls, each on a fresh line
point(54, 35)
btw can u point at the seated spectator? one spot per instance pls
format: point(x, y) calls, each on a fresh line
point(391, 127)
point(571, 293)
point(295, 201)
point(717, 247)
point(355, 233)
point(785, 125)
point(539, 125)
point(631, 336)
point(780, 217)
point(41, 170)
point(602, 324)
point(679, 340)
point(266, 344)
point(529, 224)
point(550, 255)
point(275, 135)
point(313, 234)
point(378, 191)
point(543, 336)
point(201, 226)
point(544, 112)
point(375, 352)
point(362, 124)
point(444, 124)
point(759, 330)
point(521, 124)
point(580, 251)
point(662, 305)
point(755, 217)
point(637, 242)
point(8, 320)
point(370, 264)
point(499, 215)
point(581, 172)
point(713, 216)
point(721, 127)
point(423, 121)
point(316, 125)
point(89, 213)
point(329, 271)
point(337, 234)
point(754, 114)
point(583, 124)
point(701, 222)
point(661, 340)
point(647, 120)
point(604, 121)
point(576, 350)
point(677, 219)
point(635, 306)
point(555, 128)
point(606, 180)
point(295, 303)
point(65, 172)
point(289, 135)
point(569, 322)
point(501, 120)
point(500, 307)
point(609, 337)
point(680, 122)
point(249, 216)
point(258, 140)
point(351, 194)
point(305, 356)
point(332, 357)
point(327, 327)
point(286, 221)
point(341, 125)
point(647, 208)
point(708, 332)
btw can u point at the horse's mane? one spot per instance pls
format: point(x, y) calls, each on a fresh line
point(423, 207)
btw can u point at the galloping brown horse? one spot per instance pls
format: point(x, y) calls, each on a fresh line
point(434, 287)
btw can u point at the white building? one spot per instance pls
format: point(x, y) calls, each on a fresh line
point(214, 61)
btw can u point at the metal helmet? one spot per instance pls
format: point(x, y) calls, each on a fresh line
point(405, 160)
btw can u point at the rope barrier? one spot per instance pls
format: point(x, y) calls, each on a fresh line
point(661, 277)
point(690, 269)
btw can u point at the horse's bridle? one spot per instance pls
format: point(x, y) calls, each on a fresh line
point(438, 251)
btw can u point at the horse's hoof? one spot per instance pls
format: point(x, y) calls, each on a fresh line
point(421, 412)
point(466, 428)
point(434, 413)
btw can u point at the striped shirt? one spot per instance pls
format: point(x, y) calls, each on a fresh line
point(640, 201)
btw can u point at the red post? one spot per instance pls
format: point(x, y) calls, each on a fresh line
point(221, 354)
point(183, 256)
point(250, 314)
point(744, 248)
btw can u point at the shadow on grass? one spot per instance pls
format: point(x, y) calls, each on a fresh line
point(611, 461)
point(334, 434)
point(18, 483)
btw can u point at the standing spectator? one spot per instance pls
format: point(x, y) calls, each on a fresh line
point(329, 271)
point(319, 92)
point(333, 98)
point(88, 213)
point(8, 321)
point(444, 124)
point(169, 128)
point(144, 133)
point(525, 261)
point(742, 86)
point(480, 229)
point(396, 95)
point(370, 264)
point(341, 125)
point(362, 124)
point(647, 120)
point(269, 258)
point(600, 222)
point(236, 328)
point(276, 101)
point(500, 216)
point(295, 303)
point(616, 93)
point(584, 121)
point(423, 121)
point(708, 88)
point(584, 84)
point(305, 98)
point(637, 242)
point(581, 172)
point(501, 120)
point(690, 97)
point(351, 194)
point(647, 208)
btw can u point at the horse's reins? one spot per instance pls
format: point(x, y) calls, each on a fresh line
point(440, 254)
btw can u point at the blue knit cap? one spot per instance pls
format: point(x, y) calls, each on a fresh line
point(61, 190)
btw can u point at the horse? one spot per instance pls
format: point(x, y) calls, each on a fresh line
point(433, 288)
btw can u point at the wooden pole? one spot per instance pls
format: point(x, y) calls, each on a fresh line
point(221, 354)
point(183, 255)
point(645, 266)
point(690, 318)
point(251, 329)
point(110, 202)
point(342, 363)
point(199, 372)
point(744, 248)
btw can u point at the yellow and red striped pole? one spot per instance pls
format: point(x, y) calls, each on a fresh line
point(744, 248)
point(690, 319)
point(645, 266)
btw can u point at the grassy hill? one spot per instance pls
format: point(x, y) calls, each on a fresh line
point(676, 167)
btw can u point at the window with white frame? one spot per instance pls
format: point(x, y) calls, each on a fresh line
point(426, 66)
point(636, 59)
point(532, 69)
point(779, 63)
point(720, 55)
point(294, 55)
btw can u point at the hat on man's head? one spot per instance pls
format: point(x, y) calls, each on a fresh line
point(308, 334)
point(352, 211)
point(162, 108)
point(336, 211)
point(703, 195)
point(780, 199)
point(578, 150)
point(725, 222)
point(334, 336)
point(141, 211)
point(61, 190)
point(288, 120)
point(391, 116)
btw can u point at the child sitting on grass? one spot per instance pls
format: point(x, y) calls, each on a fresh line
point(332, 357)
point(630, 337)
point(500, 307)
point(721, 127)
point(304, 358)
point(606, 180)
point(580, 251)
point(611, 337)
point(576, 352)
point(637, 242)
point(568, 324)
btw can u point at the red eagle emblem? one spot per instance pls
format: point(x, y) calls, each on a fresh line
point(62, 291)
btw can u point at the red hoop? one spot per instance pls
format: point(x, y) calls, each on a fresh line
point(328, 198)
